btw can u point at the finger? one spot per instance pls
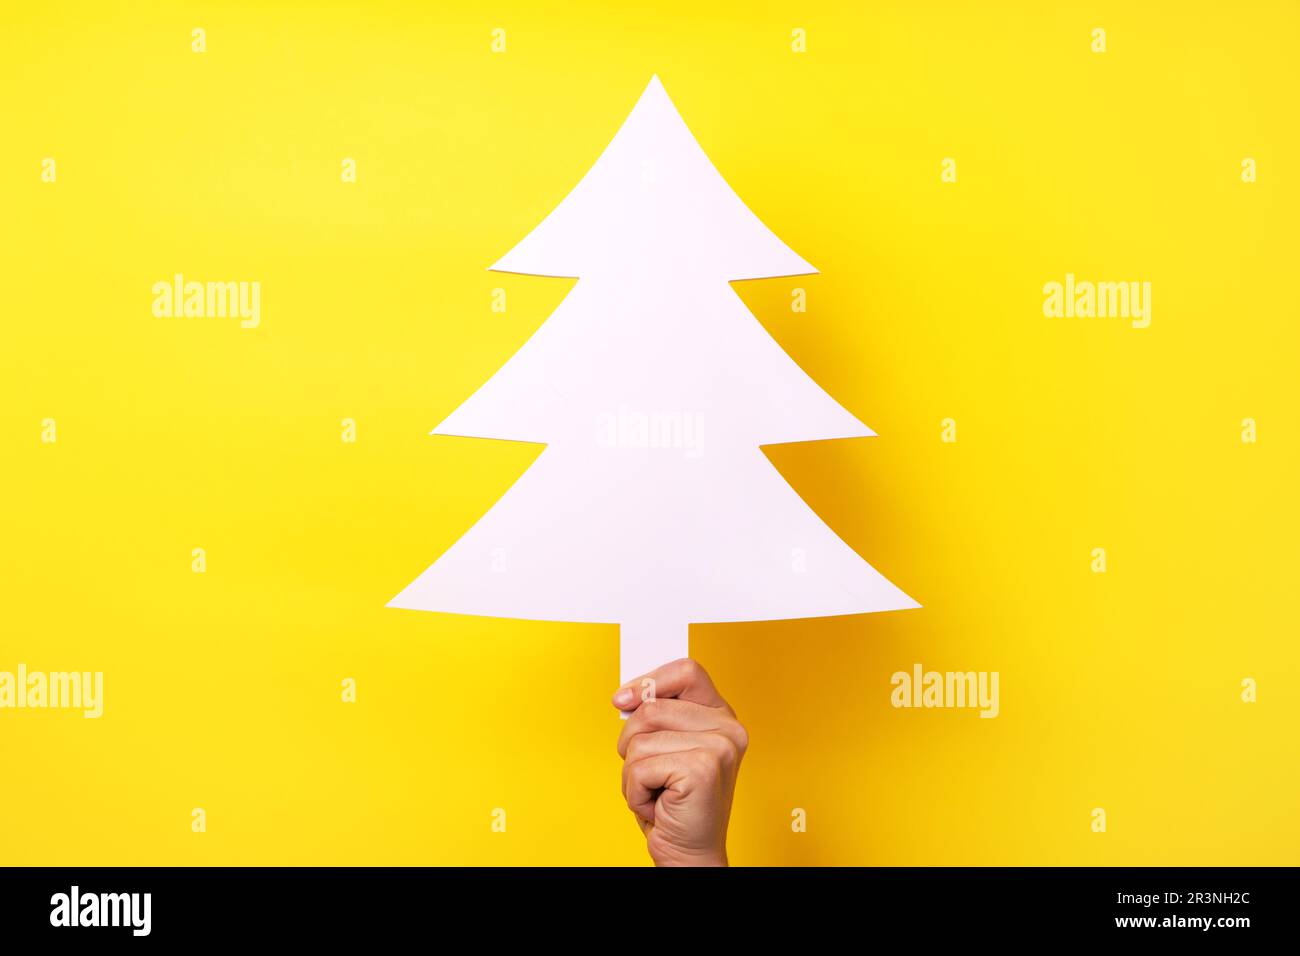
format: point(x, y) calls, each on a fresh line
point(653, 743)
point(719, 747)
point(666, 713)
point(683, 679)
point(644, 780)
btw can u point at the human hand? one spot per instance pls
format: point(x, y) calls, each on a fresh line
point(681, 753)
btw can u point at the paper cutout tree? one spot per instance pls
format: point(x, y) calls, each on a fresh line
point(652, 387)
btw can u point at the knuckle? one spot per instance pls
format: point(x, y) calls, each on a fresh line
point(706, 766)
point(636, 773)
point(742, 737)
point(637, 722)
point(724, 750)
point(730, 751)
point(634, 748)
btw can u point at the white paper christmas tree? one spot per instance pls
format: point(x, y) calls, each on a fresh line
point(652, 387)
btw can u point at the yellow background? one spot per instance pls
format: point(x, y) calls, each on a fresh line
point(1118, 690)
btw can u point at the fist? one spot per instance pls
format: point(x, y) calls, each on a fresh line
point(681, 751)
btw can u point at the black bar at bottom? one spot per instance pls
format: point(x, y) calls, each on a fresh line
point(210, 905)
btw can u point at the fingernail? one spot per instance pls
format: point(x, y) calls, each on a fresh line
point(623, 699)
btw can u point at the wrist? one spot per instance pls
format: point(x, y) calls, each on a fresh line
point(682, 857)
